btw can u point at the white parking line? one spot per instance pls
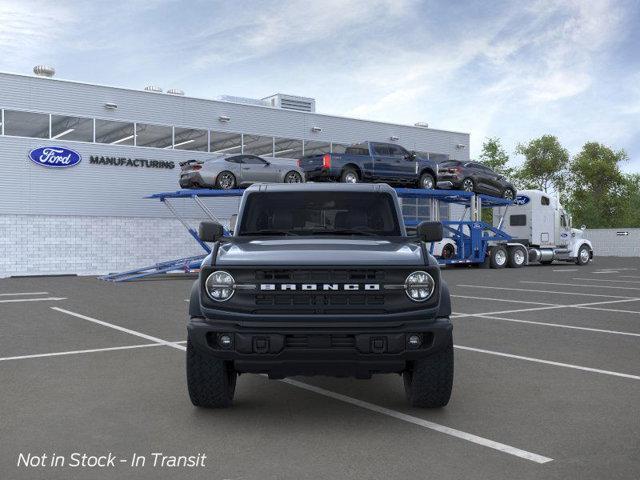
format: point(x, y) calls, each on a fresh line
point(503, 300)
point(76, 352)
point(534, 309)
point(44, 299)
point(604, 280)
point(558, 325)
point(528, 290)
point(23, 293)
point(565, 269)
point(549, 362)
point(369, 406)
point(485, 442)
point(121, 329)
point(617, 310)
point(615, 287)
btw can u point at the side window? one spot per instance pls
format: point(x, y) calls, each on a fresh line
point(253, 160)
point(381, 149)
point(396, 151)
point(517, 220)
point(563, 221)
point(234, 159)
point(544, 200)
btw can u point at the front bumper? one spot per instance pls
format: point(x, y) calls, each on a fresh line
point(311, 350)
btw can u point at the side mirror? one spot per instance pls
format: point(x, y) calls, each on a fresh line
point(430, 231)
point(210, 231)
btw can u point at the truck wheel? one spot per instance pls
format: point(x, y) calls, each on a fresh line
point(499, 257)
point(583, 255)
point(427, 181)
point(349, 175)
point(211, 382)
point(517, 257)
point(428, 382)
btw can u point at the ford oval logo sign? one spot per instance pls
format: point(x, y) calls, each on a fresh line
point(521, 200)
point(55, 157)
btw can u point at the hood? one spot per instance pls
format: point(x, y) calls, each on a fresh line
point(319, 251)
point(577, 232)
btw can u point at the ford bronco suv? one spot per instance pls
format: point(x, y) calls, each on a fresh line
point(319, 279)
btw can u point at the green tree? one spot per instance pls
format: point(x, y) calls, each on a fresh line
point(599, 192)
point(495, 157)
point(545, 165)
point(631, 200)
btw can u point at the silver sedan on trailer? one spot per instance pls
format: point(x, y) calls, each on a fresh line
point(235, 171)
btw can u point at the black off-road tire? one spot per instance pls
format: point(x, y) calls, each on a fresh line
point(428, 381)
point(211, 381)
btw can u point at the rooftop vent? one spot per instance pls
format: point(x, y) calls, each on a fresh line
point(422, 124)
point(175, 91)
point(44, 71)
point(292, 102)
point(153, 88)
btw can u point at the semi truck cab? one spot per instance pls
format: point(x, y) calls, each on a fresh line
point(538, 221)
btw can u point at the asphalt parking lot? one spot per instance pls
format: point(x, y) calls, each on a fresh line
point(547, 385)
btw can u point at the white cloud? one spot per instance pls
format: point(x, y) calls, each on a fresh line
point(31, 30)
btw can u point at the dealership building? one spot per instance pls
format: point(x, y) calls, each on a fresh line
point(92, 217)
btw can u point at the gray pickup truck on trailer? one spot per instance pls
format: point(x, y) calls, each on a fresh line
point(320, 279)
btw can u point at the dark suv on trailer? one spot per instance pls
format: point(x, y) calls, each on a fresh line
point(320, 279)
point(474, 177)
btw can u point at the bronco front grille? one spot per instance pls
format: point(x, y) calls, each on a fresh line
point(310, 290)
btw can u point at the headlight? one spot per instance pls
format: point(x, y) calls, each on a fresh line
point(419, 286)
point(220, 286)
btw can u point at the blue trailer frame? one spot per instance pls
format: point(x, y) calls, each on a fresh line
point(472, 237)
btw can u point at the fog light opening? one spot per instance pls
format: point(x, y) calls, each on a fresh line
point(225, 340)
point(414, 341)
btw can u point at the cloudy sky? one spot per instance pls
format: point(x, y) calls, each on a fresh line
point(515, 70)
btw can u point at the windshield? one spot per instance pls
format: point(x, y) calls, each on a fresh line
point(319, 213)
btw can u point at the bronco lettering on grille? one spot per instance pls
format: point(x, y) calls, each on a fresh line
point(318, 286)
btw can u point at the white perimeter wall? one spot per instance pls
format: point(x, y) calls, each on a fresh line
point(609, 242)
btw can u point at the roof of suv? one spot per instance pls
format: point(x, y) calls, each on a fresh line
point(320, 187)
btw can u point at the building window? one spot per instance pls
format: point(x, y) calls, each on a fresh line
point(72, 128)
point(224, 142)
point(114, 133)
point(157, 136)
point(258, 145)
point(190, 139)
point(338, 147)
point(287, 148)
point(312, 147)
point(26, 124)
